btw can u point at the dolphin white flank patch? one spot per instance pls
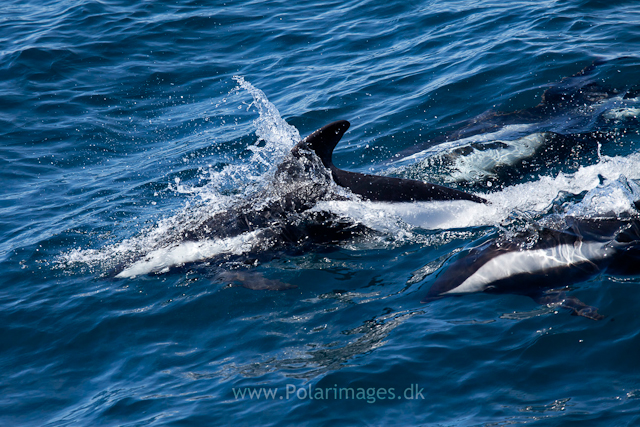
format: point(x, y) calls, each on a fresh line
point(534, 261)
point(162, 259)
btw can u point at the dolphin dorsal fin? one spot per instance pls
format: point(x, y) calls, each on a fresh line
point(325, 139)
point(373, 187)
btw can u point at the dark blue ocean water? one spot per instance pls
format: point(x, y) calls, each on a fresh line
point(124, 125)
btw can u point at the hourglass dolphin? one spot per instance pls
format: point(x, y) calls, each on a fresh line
point(282, 216)
point(300, 184)
point(536, 265)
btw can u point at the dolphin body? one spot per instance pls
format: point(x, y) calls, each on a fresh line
point(538, 265)
point(560, 112)
point(281, 217)
point(564, 131)
point(297, 192)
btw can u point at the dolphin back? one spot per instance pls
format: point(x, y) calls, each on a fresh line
point(373, 187)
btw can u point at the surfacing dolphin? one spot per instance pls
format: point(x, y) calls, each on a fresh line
point(539, 264)
point(301, 182)
point(282, 217)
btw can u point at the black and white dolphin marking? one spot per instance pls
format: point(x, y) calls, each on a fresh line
point(555, 259)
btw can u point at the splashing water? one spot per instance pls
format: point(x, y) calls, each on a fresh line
point(279, 136)
point(275, 138)
point(160, 246)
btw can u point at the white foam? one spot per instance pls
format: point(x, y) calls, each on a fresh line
point(620, 114)
point(610, 199)
point(159, 247)
point(278, 135)
point(275, 138)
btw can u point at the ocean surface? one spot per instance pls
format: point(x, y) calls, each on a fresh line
point(126, 126)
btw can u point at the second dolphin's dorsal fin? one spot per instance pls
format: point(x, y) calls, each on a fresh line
point(324, 140)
